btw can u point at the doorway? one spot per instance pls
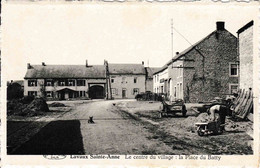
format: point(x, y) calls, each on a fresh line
point(96, 92)
point(123, 93)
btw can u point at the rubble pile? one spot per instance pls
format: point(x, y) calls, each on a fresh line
point(189, 123)
point(24, 107)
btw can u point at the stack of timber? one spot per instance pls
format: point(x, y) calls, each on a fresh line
point(243, 104)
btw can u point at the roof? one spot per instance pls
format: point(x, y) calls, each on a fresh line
point(133, 69)
point(65, 71)
point(151, 70)
point(178, 56)
point(251, 23)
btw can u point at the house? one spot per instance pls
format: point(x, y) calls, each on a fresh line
point(65, 81)
point(149, 78)
point(207, 69)
point(160, 80)
point(245, 53)
point(127, 80)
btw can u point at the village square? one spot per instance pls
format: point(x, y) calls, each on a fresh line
point(124, 108)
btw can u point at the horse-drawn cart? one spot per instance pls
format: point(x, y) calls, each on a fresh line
point(171, 108)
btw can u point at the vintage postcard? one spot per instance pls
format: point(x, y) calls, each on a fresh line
point(138, 83)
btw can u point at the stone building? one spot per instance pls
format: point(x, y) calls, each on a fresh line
point(207, 69)
point(65, 81)
point(127, 80)
point(245, 53)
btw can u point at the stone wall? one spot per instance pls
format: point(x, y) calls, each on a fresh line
point(210, 76)
point(246, 58)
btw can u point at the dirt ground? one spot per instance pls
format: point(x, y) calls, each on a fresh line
point(121, 127)
point(180, 132)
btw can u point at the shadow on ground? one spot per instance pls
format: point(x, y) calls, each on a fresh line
point(57, 137)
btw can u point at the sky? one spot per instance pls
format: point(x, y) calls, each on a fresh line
point(120, 33)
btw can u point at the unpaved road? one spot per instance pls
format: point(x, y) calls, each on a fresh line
point(113, 132)
point(117, 131)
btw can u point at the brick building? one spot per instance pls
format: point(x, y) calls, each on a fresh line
point(207, 69)
point(245, 53)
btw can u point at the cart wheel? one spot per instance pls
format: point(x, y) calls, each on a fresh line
point(200, 132)
point(184, 111)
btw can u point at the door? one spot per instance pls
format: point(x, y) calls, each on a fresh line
point(124, 93)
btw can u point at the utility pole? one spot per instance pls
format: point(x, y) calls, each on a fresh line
point(108, 88)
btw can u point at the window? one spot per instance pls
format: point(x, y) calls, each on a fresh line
point(161, 89)
point(82, 94)
point(135, 79)
point(71, 82)
point(233, 88)
point(81, 82)
point(180, 91)
point(61, 83)
point(135, 91)
point(233, 69)
point(175, 95)
point(32, 93)
point(154, 78)
point(49, 94)
point(49, 82)
point(112, 80)
point(32, 82)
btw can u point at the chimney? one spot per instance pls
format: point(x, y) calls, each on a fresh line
point(86, 63)
point(220, 25)
point(43, 64)
point(28, 66)
point(142, 62)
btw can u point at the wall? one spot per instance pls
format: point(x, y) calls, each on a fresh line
point(149, 85)
point(128, 84)
point(246, 58)
point(161, 81)
point(56, 87)
point(219, 50)
point(175, 80)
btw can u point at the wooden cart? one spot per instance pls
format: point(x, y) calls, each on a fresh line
point(171, 108)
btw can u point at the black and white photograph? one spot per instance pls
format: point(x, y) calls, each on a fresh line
point(138, 79)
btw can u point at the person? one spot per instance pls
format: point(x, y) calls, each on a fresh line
point(218, 112)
